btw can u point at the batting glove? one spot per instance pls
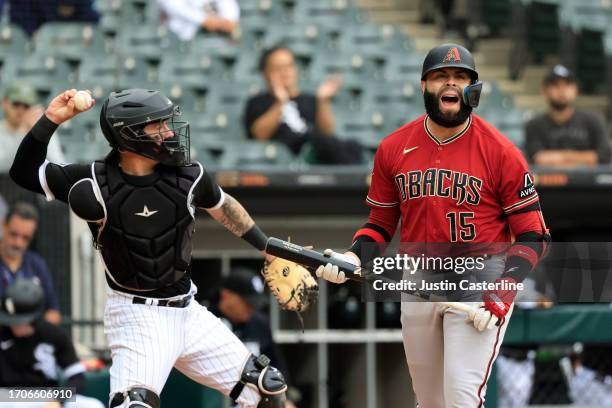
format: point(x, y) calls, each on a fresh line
point(331, 272)
point(482, 318)
point(499, 302)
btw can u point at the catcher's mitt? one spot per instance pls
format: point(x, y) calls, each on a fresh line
point(291, 283)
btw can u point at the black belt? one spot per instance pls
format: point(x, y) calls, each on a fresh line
point(180, 303)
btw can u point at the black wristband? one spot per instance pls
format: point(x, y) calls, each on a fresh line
point(256, 237)
point(517, 268)
point(43, 129)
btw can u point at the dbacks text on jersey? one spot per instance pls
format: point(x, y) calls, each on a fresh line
point(460, 187)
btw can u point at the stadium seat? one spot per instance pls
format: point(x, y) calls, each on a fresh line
point(403, 67)
point(81, 138)
point(147, 41)
point(246, 67)
point(191, 100)
point(107, 6)
point(326, 12)
point(231, 96)
point(252, 33)
point(13, 42)
point(516, 136)
point(139, 11)
point(203, 156)
point(493, 98)
point(228, 125)
point(511, 119)
point(41, 70)
point(69, 40)
point(104, 69)
point(252, 153)
point(367, 127)
point(268, 10)
point(351, 66)
point(191, 70)
point(217, 45)
point(367, 38)
point(590, 14)
point(296, 35)
point(351, 97)
point(136, 73)
point(394, 96)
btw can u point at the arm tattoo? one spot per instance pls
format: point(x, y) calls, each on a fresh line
point(234, 217)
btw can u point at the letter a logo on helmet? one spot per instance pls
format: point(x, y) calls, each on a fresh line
point(452, 55)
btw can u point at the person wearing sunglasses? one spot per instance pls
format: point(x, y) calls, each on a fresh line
point(20, 111)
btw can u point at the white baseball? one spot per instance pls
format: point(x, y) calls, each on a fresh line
point(82, 100)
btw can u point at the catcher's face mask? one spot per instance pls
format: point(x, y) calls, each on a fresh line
point(164, 139)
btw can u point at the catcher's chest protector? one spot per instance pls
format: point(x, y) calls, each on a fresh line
point(145, 240)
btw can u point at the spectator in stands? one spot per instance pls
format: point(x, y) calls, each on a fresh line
point(589, 375)
point(31, 14)
point(16, 261)
point(241, 298)
point(565, 136)
point(21, 112)
point(33, 352)
point(186, 17)
point(285, 114)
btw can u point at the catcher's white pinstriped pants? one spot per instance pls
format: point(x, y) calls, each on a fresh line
point(147, 341)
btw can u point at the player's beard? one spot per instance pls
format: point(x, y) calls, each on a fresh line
point(449, 120)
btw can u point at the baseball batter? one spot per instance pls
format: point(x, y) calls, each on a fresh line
point(451, 177)
point(139, 203)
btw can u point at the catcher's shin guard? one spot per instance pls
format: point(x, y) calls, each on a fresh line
point(268, 380)
point(136, 397)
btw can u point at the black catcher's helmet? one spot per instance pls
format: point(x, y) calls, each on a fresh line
point(125, 114)
point(22, 303)
point(449, 56)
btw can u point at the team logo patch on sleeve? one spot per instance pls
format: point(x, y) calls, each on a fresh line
point(528, 186)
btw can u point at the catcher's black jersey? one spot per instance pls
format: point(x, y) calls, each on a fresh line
point(181, 192)
point(37, 360)
point(146, 235)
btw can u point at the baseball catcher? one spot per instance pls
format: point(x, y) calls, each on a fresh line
point(139, 203)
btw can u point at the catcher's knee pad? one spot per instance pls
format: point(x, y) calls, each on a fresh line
point(136, 397)
point(268, 381)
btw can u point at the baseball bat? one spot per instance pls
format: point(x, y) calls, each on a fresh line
point(310, 258)
point(462, 307)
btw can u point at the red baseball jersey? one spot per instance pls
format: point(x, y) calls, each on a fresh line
point(457, 190)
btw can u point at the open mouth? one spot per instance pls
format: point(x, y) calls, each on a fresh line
point(449, 100)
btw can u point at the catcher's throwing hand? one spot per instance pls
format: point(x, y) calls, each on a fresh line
point(291, 284)
point(331, 272)
point(62, 108)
